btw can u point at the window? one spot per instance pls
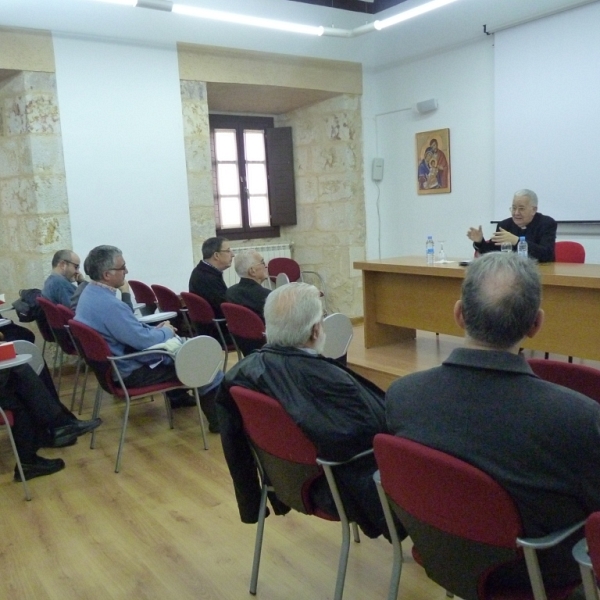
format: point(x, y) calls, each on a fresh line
point(253, 179)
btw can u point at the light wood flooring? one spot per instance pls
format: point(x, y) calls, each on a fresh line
point(167, 527)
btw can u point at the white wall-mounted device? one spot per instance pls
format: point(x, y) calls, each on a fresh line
point(377, 169)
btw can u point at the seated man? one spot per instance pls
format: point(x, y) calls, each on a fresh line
point(249, 292)
point(40, 420)
point(484, 405)
point(206, 279)
point(339, 411)
point(58, 287)
point(99, 308)
point(539, 230)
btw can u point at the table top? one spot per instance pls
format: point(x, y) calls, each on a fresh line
point(20, 359)
point(585, 275)
point(157, 317)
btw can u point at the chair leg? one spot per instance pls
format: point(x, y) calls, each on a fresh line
point(260, 529)
point(15, 452)
point(535, 576)
point(397, 548)
point(77, 370)
point(546, 355)
point(60, 366)
point(589, 583)
point(202, 427)
point(95, 414)
point(570, 359)
point(169, 410)
point(355, 533)
point(87, 371)
point(123, 430)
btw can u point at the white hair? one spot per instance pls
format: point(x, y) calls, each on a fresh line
point(533, 199)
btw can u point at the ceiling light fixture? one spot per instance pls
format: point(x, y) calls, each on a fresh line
point(217, 15)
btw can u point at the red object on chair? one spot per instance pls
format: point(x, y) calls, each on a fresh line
point(203, 321)
point(464, 526)
point(569, 252)
point(245, 326)
point(581, 378)
point(143, 293)
point(287, 463)
point(99, 357)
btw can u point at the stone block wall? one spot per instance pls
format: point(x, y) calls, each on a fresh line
point(34, 212)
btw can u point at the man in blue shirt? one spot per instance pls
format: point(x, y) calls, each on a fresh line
point(58, 287)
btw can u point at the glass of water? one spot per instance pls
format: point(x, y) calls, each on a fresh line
point(441, 253)
point(506, 247)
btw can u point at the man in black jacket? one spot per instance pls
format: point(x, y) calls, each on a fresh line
point(206, 279)
point(249, 292)
point(339, 411)
point(539, 230)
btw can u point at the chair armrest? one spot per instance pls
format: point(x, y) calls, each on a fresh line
point(140, 353)
point(580, 553)
point(331, 463)
point(550, 540)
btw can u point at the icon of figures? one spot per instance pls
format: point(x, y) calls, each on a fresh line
point(433, 169)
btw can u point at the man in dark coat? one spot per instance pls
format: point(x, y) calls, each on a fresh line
point(539, 230)
point(339, 411)
point(249, 292)
point(484, 405)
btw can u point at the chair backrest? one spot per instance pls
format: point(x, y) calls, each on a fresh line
point(245, 326)
point(37, 360)
point(199, 310)
point(285, 265)
point(580, 378)
point(592, 536)
point(285, 455)
point(95, 351)
point(569, 252)
point(198, 361)
point(143, 293)
point(57, 320)
point(339, 332)
point(463, 524)
point(167, 299)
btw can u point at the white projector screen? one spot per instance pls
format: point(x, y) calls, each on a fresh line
point(547, 114)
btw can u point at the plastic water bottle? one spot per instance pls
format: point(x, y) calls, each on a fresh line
point(522, 247)
point(430, 250)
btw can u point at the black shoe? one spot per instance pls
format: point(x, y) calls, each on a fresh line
point(61, 442)
point(75, 429)
point(41, 466)
point(180, 399)
point(214, 428)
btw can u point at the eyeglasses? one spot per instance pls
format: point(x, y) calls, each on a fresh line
point(260, 262)
point(123, 268)
point(229, 250)
point(518, 209)
point(76, 265)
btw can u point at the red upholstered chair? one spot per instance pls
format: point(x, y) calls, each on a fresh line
point(288, 465)
point(569, 252)
point(294, 273)
point(587, 554)
point(57, 320)
point(246, 328)
point(580, 378)
point(98, 356)
point(168, 301)
point(143, 293)
point(464, 526)
point(203, 321)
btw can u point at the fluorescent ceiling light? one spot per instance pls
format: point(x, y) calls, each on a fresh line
point(122, 2)
point(409, 14)
point(217, 15)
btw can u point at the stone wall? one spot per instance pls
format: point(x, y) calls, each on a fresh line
point(330, 233)
point(328, 162)
point(34, 215)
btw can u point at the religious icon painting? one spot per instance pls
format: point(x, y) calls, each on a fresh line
point(433, 162)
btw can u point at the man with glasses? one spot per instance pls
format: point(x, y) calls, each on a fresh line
point(249, 292)
point(206, 279)
point(539, 230)
point(58, 287)
point(100, 309)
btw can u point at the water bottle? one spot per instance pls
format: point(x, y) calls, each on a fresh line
point(522, 247)
point(430, 250)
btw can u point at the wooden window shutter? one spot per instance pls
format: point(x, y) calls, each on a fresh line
point(280, 170)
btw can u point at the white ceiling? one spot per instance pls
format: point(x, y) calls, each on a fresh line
point(446, 27)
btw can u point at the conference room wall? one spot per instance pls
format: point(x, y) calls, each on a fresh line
point(123, 143)
point(462, 81)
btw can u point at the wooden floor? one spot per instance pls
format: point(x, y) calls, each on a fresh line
point(167, 527)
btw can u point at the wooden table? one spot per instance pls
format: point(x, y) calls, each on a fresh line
point(403, 294)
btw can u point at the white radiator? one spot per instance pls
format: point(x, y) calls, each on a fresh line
point(267, 252)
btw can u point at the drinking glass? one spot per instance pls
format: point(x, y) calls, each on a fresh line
point(441, 254)
point(506, 247)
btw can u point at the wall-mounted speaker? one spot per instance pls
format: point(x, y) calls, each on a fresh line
point(427, 105)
